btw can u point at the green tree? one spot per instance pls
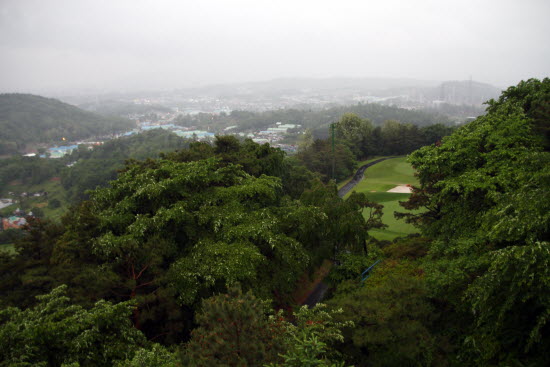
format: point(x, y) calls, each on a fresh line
point(306, 140)
point(170, 231)
point(346, 228)
point(28, 272)
point(486, 201)
point(234, 330)
point(318, 158)
point(56, 333)
point(533, 97)
point(37, 212)
point(392, 315)
point(355, 131)
point(237, 329)
point(157, 356)
point(312, 338)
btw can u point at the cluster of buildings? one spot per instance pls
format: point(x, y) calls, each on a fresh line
point(188, 133)
point(15, 221)
point(272, 135)
point(5, 203)
point(275, 135)
point(59, 151)
point(279, 129)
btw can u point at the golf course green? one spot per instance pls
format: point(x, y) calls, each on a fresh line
point(380, 178)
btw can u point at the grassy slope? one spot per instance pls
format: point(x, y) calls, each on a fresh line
point(380, 178)
point(55, 191)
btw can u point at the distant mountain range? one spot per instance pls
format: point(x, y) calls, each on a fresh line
point(453, 92)
point(303, 92)
point(26, 119)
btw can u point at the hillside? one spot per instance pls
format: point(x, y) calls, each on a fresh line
point(317, 120)
point(121, 108)
point(27, 119)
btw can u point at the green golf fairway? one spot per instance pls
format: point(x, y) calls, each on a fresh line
point(377, 181)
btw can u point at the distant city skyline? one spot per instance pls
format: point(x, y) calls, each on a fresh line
point(56, 46)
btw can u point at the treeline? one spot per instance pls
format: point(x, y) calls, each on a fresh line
point(26, 118)
point(313, 119)
point(28, 170)
point(357, 139)
point(96, 167)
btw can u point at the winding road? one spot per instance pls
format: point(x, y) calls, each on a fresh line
point(319, 291)
point(358, 177)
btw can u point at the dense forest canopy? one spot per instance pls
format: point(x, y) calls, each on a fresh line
point(485, 191)
point(171, 232)
point(96, 167)
point(26, 118)
point(193, 258)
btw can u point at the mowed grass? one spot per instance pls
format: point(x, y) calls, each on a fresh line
point(377, 181)
point(359, 164)
point(386, 175)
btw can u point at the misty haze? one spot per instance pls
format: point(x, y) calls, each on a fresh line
point(274, 183)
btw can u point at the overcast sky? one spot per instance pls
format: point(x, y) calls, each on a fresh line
point(125, 44)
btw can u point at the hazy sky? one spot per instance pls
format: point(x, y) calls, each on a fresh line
point(125, 44)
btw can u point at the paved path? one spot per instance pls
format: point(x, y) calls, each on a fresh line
point(319, 291)
point(358, 177)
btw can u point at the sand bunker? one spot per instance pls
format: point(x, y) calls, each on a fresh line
point(402, 189)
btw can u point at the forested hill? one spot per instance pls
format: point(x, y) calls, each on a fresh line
point(26, 118)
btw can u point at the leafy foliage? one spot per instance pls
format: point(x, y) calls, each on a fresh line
point(512, 299)
point(318, 158)
point(358, 139)
point(168, 231)
point(237, 329)
point(97, 167)
point(346, 228)
point(392, 315)
point(28, 273)
point(485, 191)
point(55, 333)
point(533, 96)
point(234, 330)
point(157, 356)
